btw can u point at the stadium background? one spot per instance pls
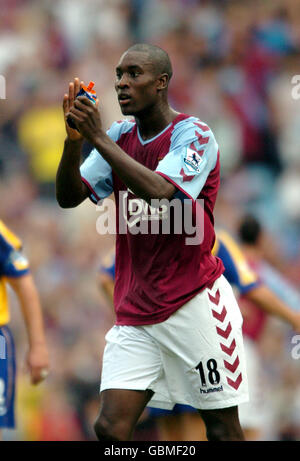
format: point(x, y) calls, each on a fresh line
point(233, 64)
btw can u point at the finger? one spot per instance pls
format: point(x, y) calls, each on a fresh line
point(76, 119)
point(38, 374)
point(97, 103)
point(81, 106)
point(36, 380)
point(76, 86)
point(85, 101)
point(79, 113)
point(34, 376)
point(71, 94)
point(66, 103)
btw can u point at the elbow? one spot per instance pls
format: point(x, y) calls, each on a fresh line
point(154, 199)
point(64, 202)
point(166, 191)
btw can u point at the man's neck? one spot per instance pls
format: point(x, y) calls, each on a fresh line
point(155, 121)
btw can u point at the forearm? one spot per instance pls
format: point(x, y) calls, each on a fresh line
point(28, 297)
point(142, 181)
point(270, 303)
point(70, 190)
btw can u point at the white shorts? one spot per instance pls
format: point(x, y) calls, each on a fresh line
point(255, 413)
point(195, 357)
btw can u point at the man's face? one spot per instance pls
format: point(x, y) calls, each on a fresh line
point(136, 83)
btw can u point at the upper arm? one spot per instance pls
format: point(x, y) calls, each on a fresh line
point(193, 155)
point(21, 283)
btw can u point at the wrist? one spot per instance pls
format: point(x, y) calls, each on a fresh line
point(38, 344)
point(74, 142)
point(102, 142)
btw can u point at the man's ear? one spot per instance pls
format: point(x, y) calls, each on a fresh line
point(163, 81)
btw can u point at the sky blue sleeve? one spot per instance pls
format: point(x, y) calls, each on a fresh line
point(193, 155)
point(96, 172)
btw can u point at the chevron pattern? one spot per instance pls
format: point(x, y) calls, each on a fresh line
point(224, 330)
point(232, 367)
point(201, 139)
point(185, 177)
point(215, 299)
point(220, 316)
point(229, 350)
point(235, 384)
point(202, 126)
point(225, 333)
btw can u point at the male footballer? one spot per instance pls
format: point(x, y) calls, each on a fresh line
point(177, 336)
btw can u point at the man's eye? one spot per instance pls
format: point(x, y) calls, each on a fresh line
point(134, 74)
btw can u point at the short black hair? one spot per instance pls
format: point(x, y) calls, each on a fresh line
point(159, 57)
point(249, 229)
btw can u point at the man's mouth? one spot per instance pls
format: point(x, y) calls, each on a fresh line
point(124, 99)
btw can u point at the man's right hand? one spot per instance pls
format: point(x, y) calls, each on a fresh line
point(68, 103)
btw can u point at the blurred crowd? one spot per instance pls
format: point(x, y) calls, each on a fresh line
point(233, 65)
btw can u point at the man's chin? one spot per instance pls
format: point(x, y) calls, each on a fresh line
point(126, 111)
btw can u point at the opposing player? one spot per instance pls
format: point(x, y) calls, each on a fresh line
point(270, 294)
point(14, 270)
point(168, 344)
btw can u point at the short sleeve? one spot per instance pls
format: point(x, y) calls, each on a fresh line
point(193, 155)
point(96, 172)
point(13, 263)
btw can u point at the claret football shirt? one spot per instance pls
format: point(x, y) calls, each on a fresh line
point(157, 269)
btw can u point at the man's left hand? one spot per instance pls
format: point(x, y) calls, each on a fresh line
point(87, 118)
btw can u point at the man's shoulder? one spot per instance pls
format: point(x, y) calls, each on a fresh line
point(188, 128)
point(119, 128)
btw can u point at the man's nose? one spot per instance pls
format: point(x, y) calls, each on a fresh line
point(122, 82)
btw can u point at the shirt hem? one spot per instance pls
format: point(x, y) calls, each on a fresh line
point(162, 318)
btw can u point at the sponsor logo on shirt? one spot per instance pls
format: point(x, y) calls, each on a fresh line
point(139, 210)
